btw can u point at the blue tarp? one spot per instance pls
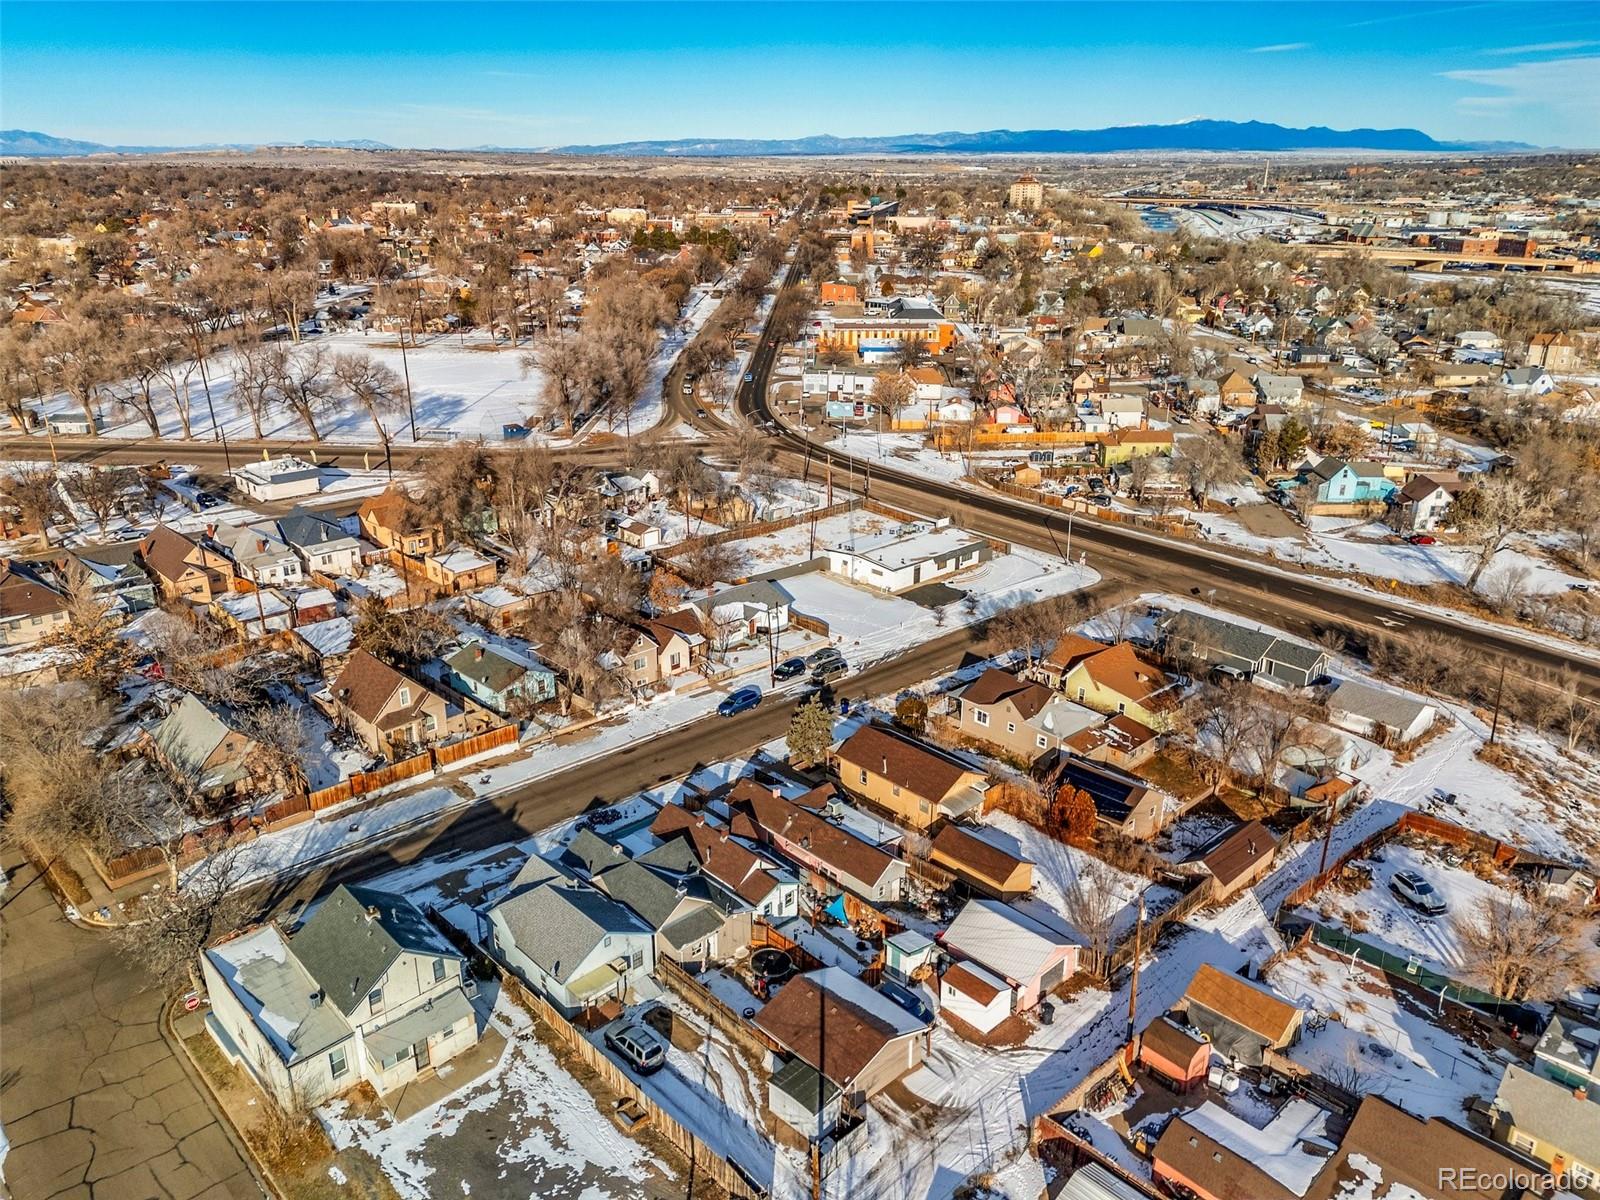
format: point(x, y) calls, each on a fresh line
point(835, 909)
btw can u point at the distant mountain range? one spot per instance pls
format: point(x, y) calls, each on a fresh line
point(1219, 136)
point(25, 143)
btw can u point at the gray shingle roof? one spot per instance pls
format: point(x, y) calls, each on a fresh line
point(1376, 704)
point(558, 925)
point(1551, 1112)
point(355, 935)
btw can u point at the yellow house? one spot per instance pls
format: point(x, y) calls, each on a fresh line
point(1110, 679)
point(901, 775)
point(1123, 445)
point(1553, 1124)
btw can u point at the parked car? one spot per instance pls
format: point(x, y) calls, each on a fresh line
point(1422, 539)
point(830, 669)
point(740, 701)
point(790, 668)
point(640, 1047)
point(1221, 673)
point(817, 657)
point(1416, 891)
point(700, 412)
point(749, 376)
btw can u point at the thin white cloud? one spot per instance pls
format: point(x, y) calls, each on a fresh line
point(1541, 48)
point(1562, 84)
point(1280, 48)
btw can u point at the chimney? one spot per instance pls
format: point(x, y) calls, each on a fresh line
point(372, 912)
point(1580, 1092)
point(777, 792)
point(477, 653)
point(211, 531)
point(885, 771)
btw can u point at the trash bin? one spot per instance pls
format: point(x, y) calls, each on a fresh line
point(1047, 1013)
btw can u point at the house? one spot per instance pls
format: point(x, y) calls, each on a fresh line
point(497, 606)
point(632, 490)
point(323, 544)
point(185, 569)
point(664, 647)
point(497, 680)
point(1026, 956)
point(1390, 717)
point(1109, 679)
point(1242, 1019)
point(567, 941)
point(1460, 374)
point(391, 520)
point(694, 918)
point(1567, 1054)
point(980, 863)
point(1125, 445)
point(1022, 717)
point(1478, 339)
point(834, 857)
point(1237, 858)
point(1177, 1052)
point(689, 840)
point(1423, 505)
point(30, 608)
point(200, 743)
point(458, 568)
point(258, 555)
point(1205, 398)
point(253, 614)
point(1122, 802)
point(733, 616)
point(1385, 1153)
point(1254, 652)
point(391, 713)
point(854, 1036)
point(1287, 390)
point(1558, 353)
point(1331, 483)
point(281, 478)
point(914, 554)
point(1119, 741)
point(1212, 1153)
point(1531, 381)
point(1555, 1125)
point(113, 575)
point(914, 781)
point(1235, 391)
point(367, 991)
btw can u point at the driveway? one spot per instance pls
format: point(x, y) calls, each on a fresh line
point(92, 1099)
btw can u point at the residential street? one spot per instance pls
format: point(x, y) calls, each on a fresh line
point(94, 1101)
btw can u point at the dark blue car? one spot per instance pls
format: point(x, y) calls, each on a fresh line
point(738, 702)
point(790, 668)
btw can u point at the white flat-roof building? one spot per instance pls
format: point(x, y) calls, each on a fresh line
point(907, 557)
point(278, 478)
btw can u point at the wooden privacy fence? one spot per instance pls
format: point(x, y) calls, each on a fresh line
point(715, 1009)
point(431, 759)
point(738, 1182)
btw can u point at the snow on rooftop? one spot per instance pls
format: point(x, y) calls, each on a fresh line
point(1278, 1149)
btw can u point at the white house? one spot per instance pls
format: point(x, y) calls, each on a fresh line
point(1423, 504)
point(278, 478)
point(321, 542)
point(1286, 390)
point(1379, 713)
point(1477, 339)
point(572, 944)
point(366, 991)
point(259, 554)
point(1028, 957)
point(746, 611)
point(974, 994)
point(1122, 410)
point(911, 555)
point(1534, 381)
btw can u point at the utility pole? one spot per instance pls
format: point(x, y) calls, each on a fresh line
point(1499, 692)
point(405, 365)
point(1327, 839)
point(822, 1091)
point(1133, 983)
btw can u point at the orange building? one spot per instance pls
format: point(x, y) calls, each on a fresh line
point(840, 293)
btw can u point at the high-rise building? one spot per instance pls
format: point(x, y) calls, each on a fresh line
point(1026, 193)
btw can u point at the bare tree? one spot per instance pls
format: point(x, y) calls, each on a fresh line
point(254, 375)
point(371, 384)
point(303, 384)
point(1496, 509)
point(1091, 904)
point(279, 732)
point(31, 487)
point(1527, 946)
point(98, 489)
point(169, 928)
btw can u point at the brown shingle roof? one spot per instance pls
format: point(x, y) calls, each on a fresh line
point(166, 552)
point(24, 594)
point(907, 763)
point(1171, 1043)
point(1239, 851)
point(954, 844)
point(968, 984)
point(366, 683)
point(842, 851)
point(1120, 669)
point(1071, 649)
point(1242, 1002)
point(795, 1016)
point(995, 685)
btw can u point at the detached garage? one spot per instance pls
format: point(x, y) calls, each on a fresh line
point(1392, 718)
point(979, 997)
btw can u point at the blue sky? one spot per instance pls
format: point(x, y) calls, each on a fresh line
point(450, 75)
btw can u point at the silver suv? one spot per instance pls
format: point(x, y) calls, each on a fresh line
point(640, 1047)
point(1416, 891)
